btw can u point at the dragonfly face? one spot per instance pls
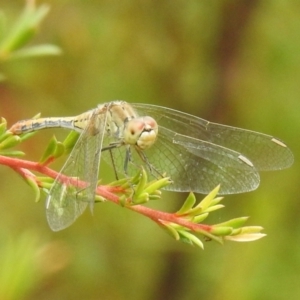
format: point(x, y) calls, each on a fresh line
point(197, 154)
point(141, 132)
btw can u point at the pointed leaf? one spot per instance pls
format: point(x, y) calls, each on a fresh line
point(50, 150)
point(70, 141)
point(200, 218)
point(221, 231)
point(141, 198)
point(191, 239)
point(5, 135)
point(10, 142)
point(206, 202)
point(234, 223)
point(247, 237)
point(155, 185)
point(59, 150)
point(12, 153)
point(35, 187)
point(187, 205)
point(3, 126)
point(215, 207)
point(27, 135)
point(24, 28)
point(35, 51)
point(252, 229)
point(170, 230)
point(139, 188)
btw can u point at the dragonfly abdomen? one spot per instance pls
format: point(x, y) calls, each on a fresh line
point(42, 123)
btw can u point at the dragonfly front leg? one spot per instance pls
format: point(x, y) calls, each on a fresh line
point(152, 169)
point(110, 147)
point(128, 158)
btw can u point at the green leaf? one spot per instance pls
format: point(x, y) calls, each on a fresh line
point(135, 179)
point(10, 142)
point(70, 141)
point(221, 231)
point(6, 133)
point(12, 153)
point(206, 202)
point(141, 198)
point(3, 126)
point(124, 184)
point(35, 187)
point(59, 150)
point(53, 150)
point(122, 200)
point(215, 207)
point(170, 230)
point(210, 236)
point(234, 223)
point(44, 179)
point(27, 135)
point(187, 205)
point(190, 238)
point(139, 188)
point(154, 197)
point(34, 51)
point(216, 200)
point(24, 28)
point(246, 237)
point(200, 218)
point(155, 185)
point(252, 229)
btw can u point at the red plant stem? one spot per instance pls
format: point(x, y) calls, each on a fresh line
point(159, 216)
point(16, 164)
point(23, 166)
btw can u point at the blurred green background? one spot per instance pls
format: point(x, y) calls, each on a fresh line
point(232, 62)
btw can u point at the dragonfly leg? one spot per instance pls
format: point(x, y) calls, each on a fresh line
point(113, 163)
point(110, 147)
point(128, 158)
point(152, 169)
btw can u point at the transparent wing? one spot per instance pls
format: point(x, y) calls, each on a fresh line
point(74, 188)
point(192, 164)
point(264, 151)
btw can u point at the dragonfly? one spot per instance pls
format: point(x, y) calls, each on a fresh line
point(196, 154)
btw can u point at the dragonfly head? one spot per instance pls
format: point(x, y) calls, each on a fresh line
point(141, 132)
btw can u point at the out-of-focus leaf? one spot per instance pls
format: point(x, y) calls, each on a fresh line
point(24, 29)
point(10, 142)
point(34, 51)
point(12, 153)
point(3, 125)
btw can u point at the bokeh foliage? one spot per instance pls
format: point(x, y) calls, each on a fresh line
point(235, 62)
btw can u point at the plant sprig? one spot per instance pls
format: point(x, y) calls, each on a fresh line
point(185, 225)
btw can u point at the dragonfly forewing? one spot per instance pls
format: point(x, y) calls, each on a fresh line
point(74, 188)
point(264, 151)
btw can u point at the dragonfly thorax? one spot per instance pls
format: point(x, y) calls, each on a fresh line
point(141, 132)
